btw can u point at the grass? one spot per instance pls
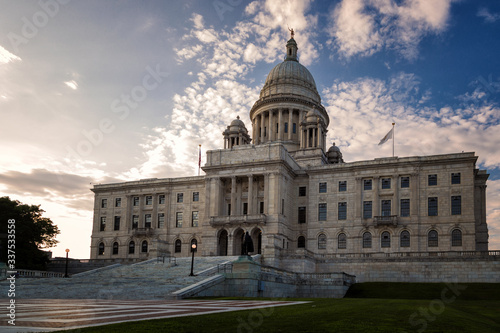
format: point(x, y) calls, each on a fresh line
point(405, 308)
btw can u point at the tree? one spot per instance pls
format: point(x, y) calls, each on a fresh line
point(33, 232)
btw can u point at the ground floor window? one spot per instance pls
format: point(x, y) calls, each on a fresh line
point(301, 242)
point(456, 238)
point(144, 246)
point(367, 240)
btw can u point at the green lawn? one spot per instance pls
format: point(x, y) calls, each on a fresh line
point(402, 311)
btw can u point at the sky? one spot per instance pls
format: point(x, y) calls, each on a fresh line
point(95, 92)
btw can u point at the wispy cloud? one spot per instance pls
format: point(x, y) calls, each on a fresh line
point(6, 56)
point(487, 15)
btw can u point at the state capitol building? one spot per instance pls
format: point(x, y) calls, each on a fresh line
point(295, 196)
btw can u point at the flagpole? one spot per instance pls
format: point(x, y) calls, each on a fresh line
point(393, 137)
point(199, 159)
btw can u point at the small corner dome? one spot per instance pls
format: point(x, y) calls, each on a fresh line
point(313, 114)
point(334, 155)
point(334, 148)
point(237, 124)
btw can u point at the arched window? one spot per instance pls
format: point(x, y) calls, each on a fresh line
point(101, 248)
point(195, 242)
point(144, 246)
point(385, 239)
point(432, 238)
point(367, 240)
point(178, 246)
point(131, 247)
point(115, 248)
point(301, 242)
point(404, 239)
point(322, 241)
point(342, 241)
point(456, 237)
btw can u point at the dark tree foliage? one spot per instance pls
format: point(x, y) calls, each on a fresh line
point(33, 233)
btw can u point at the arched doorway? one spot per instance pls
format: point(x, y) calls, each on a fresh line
point(222, 243)
point(238, 241)
point(257, 240)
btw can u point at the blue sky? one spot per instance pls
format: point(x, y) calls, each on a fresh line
point(104, 91)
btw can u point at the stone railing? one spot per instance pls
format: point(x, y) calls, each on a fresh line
point(237, 219)
point(445, 254)
point(143, 232)
point(385, 220)
point(27, 273)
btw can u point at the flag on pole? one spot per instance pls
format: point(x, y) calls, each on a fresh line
point(199, 159)
point(386, 137)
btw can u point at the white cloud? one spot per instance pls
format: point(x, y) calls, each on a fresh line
point(487, 15)
point(72, 84)
point(364, 27)
point(6, 56)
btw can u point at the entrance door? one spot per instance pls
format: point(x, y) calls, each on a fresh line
point(222, 244)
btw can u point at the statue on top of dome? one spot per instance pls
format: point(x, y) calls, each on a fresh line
point(292, 33)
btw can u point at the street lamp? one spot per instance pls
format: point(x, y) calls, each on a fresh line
point(66, 271)
point(193, 250)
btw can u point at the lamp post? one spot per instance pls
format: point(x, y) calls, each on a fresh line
point(193, 250)
point(66, 270)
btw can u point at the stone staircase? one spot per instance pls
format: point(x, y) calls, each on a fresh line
point(145, 280)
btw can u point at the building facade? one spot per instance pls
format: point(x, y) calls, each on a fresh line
point(293, 195)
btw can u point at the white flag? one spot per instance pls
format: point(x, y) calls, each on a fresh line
point(386, 137)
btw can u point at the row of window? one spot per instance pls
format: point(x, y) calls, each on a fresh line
point(144, 247)
point(148, 200)
point(385, 183)
point(294, 129)
point(385, 239)
point(148, 221)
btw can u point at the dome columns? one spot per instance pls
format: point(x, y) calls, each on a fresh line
point(276, 125)
point(236, 134)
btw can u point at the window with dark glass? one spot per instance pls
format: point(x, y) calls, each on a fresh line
point(294, 128)
point(432, 206)
point(432, 180)
point(404, 239)
point(101, 249)
point(149, 200)
point(322, 187)
point(178, 220)
point(261, 208)
point(178, 246)
point(180, 197)
point(302, 191)
point(196, 196)
point(131, 247)
point(367, 184)
point(104, 203)
point(115, 248)
point(456, 237)
point(367, 240)
point(456, 205)
point(147, 221)
point(405, 207)
point(405, 182)
point(386, 207)
point(286, 127)
point(342, 186)
point(117, 223)
point(118, 202)
point(367, 209)
point(432, 238)
point(302, 214)
point(245, 208)
point(322, 212)
point(135, 221)
point(342, 214)
point(103, 223)
point(161, 199)
point(161, 220)
point(342, 241)
point(301, 242)
point(322, 241)
point(385, 239)
point(194, 219)
point(136, 201)
point(144, 246)
point(455, 178)
point(228, 209)
point(386, 183)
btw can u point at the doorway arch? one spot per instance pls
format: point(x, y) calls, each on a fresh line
point(222, 243)
point(238, 236)
point(257, 240)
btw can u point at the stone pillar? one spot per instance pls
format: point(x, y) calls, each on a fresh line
point(281, 125)
point(358, 208)
point(271, 134)
point(233, 195)
point(250, 195)
point(290, 123)
point(266, 194)
point(395, 205)
point(414, 195)
point(376, 199)
point(262, 126)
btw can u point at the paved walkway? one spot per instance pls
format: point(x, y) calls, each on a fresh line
point(42, 315)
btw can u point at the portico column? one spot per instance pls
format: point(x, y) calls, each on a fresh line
point(250, 195)
point(315, 143)
point(290, 123)
point(270, 127)
point(233, 195)
point(262, 126)
point(280, 126)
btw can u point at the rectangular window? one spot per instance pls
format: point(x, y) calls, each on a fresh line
point(367, 209)
point(103, 223)
point(136, 201)
point(455, 178)
point(322, 187)
point(196, 196)
point(342, 210)
point(302, 214)
point(405, 207)
point(228, 209)
point(367, 184)
point(277, 127)
point(456, 205)
point(386, 207)
point(104, 203)
point(322, 212)
point(261, 208)
point(386, 183)
point(432, 180)
point(342, 186)
point(294, 128)
point(302, 191)
point(245, 208)
point(149, 200)
point(117, 223)
point(405, 182)
point(147, 221)
point(180, 197)
point(286, 127)
point(161, 199)
point(161, 220)
point(135, 221)
point(282, 206)
point(118, 202)
point(432, 206)
point(194, 219)
point(178, 220)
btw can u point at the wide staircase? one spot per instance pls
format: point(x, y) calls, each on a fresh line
point(152, 279)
